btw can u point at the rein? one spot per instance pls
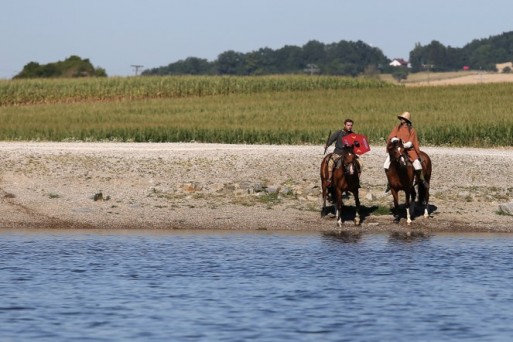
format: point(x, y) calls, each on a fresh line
point(349, 167)
point(403, 155)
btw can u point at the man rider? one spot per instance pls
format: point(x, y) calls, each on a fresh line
point(408, 135)
point(339, 148)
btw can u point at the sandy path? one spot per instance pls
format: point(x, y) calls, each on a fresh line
point(214, 186)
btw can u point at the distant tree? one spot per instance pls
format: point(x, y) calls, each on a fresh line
point(314, 52)
point(231, 63)
point(100, 72)
point(73, 66)
point(261, 62)
point(189, 66)
point(400, 74)
point(289, 59)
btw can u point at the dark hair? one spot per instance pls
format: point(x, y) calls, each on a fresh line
point(348, 120)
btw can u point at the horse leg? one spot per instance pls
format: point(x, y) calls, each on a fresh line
point(426, 201)
point(324, 197)
point(357, 205)
point(408, 207)
point(395, 194)
point(339, 205)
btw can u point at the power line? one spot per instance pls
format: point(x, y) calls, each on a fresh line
point(136, 68)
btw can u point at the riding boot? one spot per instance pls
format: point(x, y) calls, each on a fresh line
point(388, 184)
point(420, 177)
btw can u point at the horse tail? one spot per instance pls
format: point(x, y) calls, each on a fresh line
point(426, 161)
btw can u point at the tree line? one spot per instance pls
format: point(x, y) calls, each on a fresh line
point(345, 58)
point(480, 54)
point(342, 58)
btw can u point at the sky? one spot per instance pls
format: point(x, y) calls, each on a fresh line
point(116, 34)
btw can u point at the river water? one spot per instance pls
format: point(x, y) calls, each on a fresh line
point(89, 285)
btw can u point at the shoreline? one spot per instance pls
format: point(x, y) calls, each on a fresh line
point(232, 187)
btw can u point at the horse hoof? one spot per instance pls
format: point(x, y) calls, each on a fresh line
point(339, 223)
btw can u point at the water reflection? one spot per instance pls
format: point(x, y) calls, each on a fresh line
point(408, 236)
point(345, 236)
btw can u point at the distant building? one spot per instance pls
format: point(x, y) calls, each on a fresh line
point(501, 66)
point(398, 62)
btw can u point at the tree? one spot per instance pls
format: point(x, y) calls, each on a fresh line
point(313, 52)
point(400, 74)
point(231, 63)
point(73, 66)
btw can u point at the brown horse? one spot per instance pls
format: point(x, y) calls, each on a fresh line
point(344, 178)
point(401, 176)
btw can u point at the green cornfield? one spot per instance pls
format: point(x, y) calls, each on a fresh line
point(251, 110)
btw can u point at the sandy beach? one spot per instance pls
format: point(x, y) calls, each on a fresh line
point(216, 186)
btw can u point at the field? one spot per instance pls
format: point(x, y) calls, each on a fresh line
point(252, 110)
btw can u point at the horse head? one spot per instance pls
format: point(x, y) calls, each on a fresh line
point(348, 160)
point(397, 152)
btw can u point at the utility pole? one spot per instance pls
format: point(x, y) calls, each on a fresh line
point(136, 68)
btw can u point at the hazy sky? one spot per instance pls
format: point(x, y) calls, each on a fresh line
point(115, 34)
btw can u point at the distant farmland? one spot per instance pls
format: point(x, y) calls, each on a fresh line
point(253, 110)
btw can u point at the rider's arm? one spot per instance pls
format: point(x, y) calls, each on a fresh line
point(332, 139)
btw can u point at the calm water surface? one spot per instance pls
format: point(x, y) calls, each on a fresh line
point(266, 286)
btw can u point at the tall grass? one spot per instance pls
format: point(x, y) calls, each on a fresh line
point(473, 115)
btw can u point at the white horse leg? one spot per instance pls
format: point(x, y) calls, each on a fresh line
point(408, 216)
point(426, 212)
point(357, 219)
point(357, 207)
point(338, 215)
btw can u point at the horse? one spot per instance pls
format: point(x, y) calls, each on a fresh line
point(401, 177)
point(344, 178)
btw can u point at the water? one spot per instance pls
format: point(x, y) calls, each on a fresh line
point(266, 286)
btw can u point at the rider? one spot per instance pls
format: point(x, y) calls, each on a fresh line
point(408, 135)
point(339, 148)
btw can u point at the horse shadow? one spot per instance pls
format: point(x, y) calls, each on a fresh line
point(349, 211)
point(418, 210)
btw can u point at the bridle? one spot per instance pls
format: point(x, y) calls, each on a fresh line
point(399, 155)
point(348, 162)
